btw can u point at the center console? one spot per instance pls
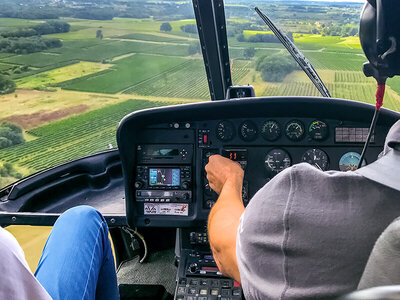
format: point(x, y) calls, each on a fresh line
point(198, 277)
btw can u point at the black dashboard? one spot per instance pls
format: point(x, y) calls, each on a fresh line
point(164, 150)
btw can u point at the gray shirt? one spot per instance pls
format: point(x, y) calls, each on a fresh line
point(308, 234)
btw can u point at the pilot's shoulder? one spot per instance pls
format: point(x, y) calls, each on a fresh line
point(305, 171)
point(304, 176)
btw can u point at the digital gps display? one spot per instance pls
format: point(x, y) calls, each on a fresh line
point(163, 152)
point(164, 177)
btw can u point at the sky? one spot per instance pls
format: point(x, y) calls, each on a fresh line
point(355, 1)
point(359, 1)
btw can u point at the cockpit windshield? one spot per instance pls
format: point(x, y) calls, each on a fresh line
point(70, 70)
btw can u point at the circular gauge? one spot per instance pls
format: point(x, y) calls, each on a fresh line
point(349, 161)
point(318, 130)
point(271, 130)
point(316, 158)
point(277, 160)
point(294, 130)
point(225, 130)
point(248, 131)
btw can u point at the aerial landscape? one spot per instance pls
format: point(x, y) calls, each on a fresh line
point(70, 70)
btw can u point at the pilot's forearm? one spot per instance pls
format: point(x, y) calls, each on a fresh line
point(223, 223)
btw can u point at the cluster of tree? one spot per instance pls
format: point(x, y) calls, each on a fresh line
point(166, 27)
point(249, 53)
point(7, 86)
point(99, 34)
point(27, 45)
point(8, 170)
point(262, 38)
point(189, 28)
point(48, 27)
point(10, 135)
point(275, 67)
point(338, 30)
point(194, 48)
point(235, 28)
point(258, 38)
point(94, 13)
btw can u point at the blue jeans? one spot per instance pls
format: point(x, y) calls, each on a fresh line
point(77, 261)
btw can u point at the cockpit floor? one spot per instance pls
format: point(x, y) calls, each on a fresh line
point(159, 268)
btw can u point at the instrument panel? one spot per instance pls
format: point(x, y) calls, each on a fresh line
point(164, 161)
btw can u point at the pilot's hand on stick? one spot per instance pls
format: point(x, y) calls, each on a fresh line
point(221, 170)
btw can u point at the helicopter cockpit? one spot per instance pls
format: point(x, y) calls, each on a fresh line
point(153, 190)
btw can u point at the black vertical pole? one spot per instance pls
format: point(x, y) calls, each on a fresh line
point(211, 25)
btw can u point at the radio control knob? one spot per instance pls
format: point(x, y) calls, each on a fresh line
point(186, 196)
point(193, 268)
point(138, 184)
point(185, 185)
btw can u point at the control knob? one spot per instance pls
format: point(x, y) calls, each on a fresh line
point(193, 268)
point(185, 185)
point(138, 184)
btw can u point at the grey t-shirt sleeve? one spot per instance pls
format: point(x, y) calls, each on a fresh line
point(260, 239)
point(383, 267)
point(17, 281)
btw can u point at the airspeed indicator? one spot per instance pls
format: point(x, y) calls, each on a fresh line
point(271, 130)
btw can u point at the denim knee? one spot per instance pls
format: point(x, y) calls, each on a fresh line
point(84, 213)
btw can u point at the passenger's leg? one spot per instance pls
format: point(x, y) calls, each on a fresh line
point(77, 260)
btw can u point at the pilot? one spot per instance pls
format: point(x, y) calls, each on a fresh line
point(306, 233)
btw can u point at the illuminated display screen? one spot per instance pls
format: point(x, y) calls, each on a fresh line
point(235, 155)
point(164, 177)
point(163, 152)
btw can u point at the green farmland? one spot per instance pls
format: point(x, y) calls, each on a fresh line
point(74, 137)
point(69, 100)
point(120, 76)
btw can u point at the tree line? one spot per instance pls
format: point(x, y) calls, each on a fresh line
point(188, 28)
point(29, 40)
point(98, 10)
point(47, 27)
